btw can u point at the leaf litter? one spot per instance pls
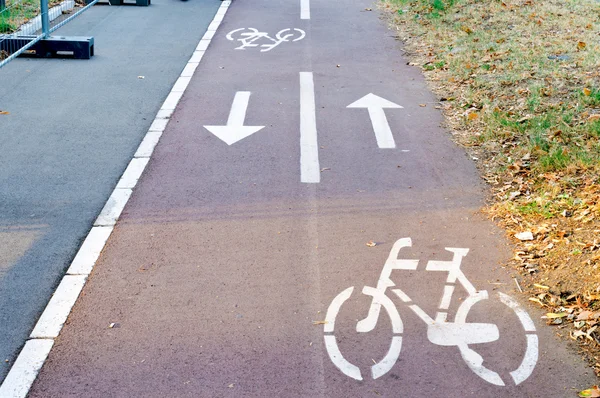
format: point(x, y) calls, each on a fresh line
point(519, 85)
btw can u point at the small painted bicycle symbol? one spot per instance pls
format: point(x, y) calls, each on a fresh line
point(250, 37)
point(439, 331)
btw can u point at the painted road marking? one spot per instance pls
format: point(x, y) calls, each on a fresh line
point(59, 307)
point(459, 333)
point(304, 9)
point(235, 130)
point(251, 37)
point(309, 147)
point(381, 127)
point(33, 355)
point(25, 369)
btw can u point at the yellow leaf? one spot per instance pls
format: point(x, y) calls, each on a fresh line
point(4, 113)
point(581, 45)
point(593, 392)
point(587, 91)
point(467, 30)
point(541, 286)
point(472, 116)
point(554, 315)
point(320, 322)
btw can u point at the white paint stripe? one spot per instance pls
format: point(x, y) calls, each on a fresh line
point(309, 146)
point(334, 308)
point(25, 369)
point(173, 98)
point(59, 307)
point(164, 114)
point(447, 297)
point(159, 125)
point(531, 356)
point(209, 35)
point(338, 359)
point(381, 127)
point(523, 316)
point(34, 353)
point(203, 45)
point(388, 362)
point(403, 296)
point(147, 146)
point(90, 251)
point(133, 173)
point(214, 25)
point(304, 9)
point(113, 207)
point(197, 56)
point(181, 84)
point(189, 69)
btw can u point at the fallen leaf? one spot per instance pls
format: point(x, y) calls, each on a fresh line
point(541, 286)
point(466, 29)
point(325, 168)
point(554, 315)
point(593, 392)
point(581, 45)
point(422, 105)
point(593, 118)
point(368, 9)
point(584, 315)
point(371, 243)
point(472, 116)
point(587, 91)
point(4, 113)
point(320, 322)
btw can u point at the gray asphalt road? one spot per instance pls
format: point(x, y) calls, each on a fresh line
point(223, 276)
point(72, 129)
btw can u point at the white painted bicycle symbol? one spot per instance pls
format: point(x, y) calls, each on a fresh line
point(250, 37)
point(439, 331)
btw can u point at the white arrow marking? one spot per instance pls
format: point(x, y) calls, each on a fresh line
point(375, 105)
point(235, 129)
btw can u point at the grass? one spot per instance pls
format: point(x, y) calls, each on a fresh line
point(17, 13)
point(520, 81)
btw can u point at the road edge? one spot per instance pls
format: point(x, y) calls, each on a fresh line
point(30, 360)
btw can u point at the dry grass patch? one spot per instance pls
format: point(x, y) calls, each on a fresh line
point(519, 83)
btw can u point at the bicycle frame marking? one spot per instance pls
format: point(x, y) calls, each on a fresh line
point(459, 333)
point(250, 36)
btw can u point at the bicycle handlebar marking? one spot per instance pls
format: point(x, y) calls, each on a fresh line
point(459, 333)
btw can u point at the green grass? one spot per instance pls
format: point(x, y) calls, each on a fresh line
point(17, 13)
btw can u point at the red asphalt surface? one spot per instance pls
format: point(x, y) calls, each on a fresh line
point(220, 272)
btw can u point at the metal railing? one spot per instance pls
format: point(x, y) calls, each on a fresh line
point(24, 23)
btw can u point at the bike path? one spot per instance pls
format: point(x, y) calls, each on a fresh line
point(218, 277)
point(72, 128)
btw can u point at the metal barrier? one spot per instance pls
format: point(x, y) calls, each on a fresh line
point(25, 28)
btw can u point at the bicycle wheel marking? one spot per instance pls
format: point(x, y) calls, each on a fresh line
point(252, 37)
point(440, 331)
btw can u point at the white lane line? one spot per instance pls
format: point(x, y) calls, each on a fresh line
point(304, 9)
point(90, 251)
point(113, 208)
point(33, 355)
point(309, 147)
point(133, 173)
point(25, 369)
point(59, 307)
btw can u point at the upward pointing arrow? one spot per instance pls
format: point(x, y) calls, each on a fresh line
point(235, 129)
point(381, 127)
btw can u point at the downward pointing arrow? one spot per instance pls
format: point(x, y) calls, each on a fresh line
point(381, 127)
point(235, 129)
